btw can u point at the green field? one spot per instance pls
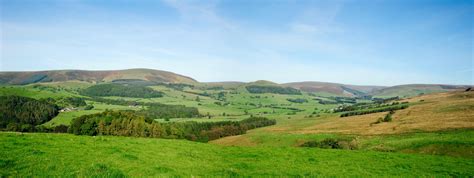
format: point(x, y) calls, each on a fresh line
point(69, 155)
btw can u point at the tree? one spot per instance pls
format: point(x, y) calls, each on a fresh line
point(101, 128)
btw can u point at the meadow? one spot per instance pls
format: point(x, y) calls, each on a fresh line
point(39, 154)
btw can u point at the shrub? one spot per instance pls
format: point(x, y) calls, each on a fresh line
point(387, 118)
point(89, 107)
point(332, 143)
point(298, 100)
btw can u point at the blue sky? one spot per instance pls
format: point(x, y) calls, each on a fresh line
point(366, 42)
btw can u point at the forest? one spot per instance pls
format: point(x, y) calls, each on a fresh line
point(23, 114)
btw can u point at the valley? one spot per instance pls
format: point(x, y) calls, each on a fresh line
point(143, 122)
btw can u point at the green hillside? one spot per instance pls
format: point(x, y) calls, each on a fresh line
point(92, 76)
point(414, 90)
point(69, 155)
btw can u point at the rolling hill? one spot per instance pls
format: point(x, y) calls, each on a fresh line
point(158, 76)
point(92, 76)
point(415, 89)
point(333, 88)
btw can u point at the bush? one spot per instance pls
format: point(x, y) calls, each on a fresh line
point(328, 143)
point(298, 100)
point(332, 143)
point(89, 107)
point(60, 129)
point(387, 118)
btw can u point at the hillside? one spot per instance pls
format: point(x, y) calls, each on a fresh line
point(225, 84)
point(415, 89)
point(333, 88)
point(52, 155)
point(92, 76)
point(431, 113)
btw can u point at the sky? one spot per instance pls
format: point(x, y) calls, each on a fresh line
point(364, 42)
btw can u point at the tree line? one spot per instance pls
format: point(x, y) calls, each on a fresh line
point(360, 106)
point(383, 109)
point(114, 89)
point(136, 124)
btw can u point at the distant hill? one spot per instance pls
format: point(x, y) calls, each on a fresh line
point(333, 88)
point(225, 84)
point(150, 76)
point(92, 76)
point(415, 89)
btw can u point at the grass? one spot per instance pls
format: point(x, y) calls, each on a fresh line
point(70, 155)
point(458, 143)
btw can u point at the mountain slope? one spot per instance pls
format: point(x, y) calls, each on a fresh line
point(92, 76)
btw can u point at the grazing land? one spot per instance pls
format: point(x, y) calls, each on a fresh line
point(164, 124)
point(69, 155)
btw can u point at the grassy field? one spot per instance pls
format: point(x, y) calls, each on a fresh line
point(69, 155)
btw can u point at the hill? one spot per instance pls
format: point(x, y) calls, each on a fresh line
point(415, 89)
point(333, 88)
point(431, 112)
point(151, 77)
point(437, 123)
point(92, 76)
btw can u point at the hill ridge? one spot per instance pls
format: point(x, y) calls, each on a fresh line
point(28, 77)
